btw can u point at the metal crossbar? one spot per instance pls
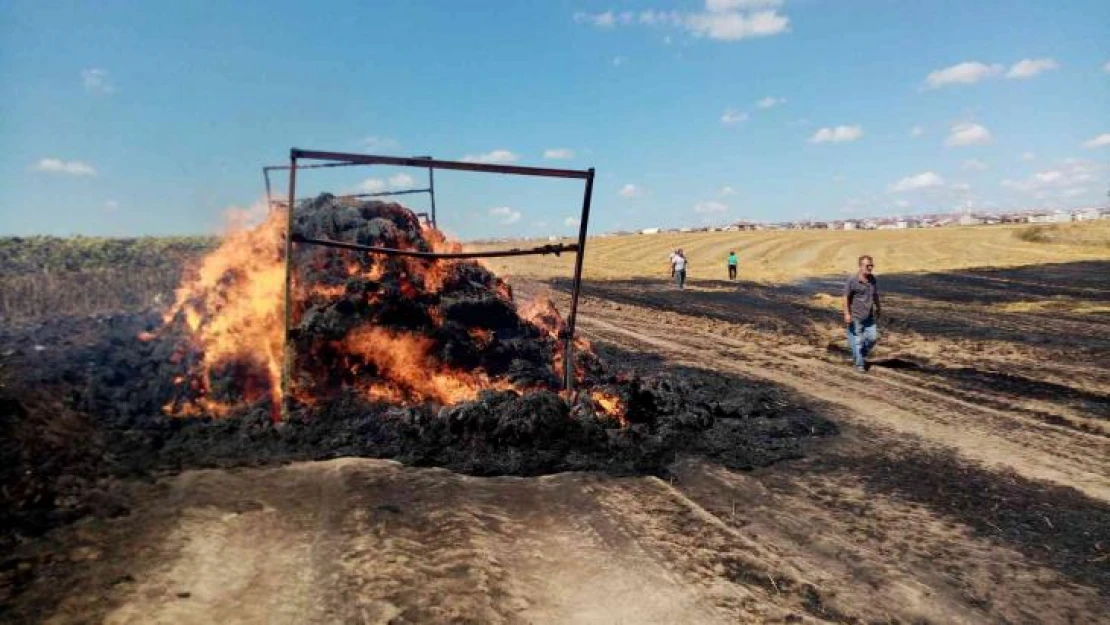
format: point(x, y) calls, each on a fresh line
point(342, 159)
point(392, 251)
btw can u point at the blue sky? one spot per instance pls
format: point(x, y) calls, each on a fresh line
point(127, 118)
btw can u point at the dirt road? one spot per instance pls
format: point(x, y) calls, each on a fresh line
point(971, 484)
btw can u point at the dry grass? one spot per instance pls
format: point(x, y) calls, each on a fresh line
point(791, 255)
point(1084, 234)
point(45, 276)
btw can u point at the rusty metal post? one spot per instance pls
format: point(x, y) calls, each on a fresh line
point(572, 318)
point(432, 193)
point(269, 192)
point(287, 349)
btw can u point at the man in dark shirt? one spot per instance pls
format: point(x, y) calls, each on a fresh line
point(861, 309)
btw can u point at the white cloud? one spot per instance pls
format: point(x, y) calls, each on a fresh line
point(902, 204)
point(1100, 141)
point(1028, 68)
point(619, 60)
point(111, 205)
point(58, 166)
point(726, 191)
point(923, 180)
point(1070, 174)
point(660, 18)
point(1106, 67)
point(505, 215)
point(496, 156)
point(631, 190)
point(837, 135)
point(710, 206)
point(571, 222)
point(967, 134)
point(558, 154)
point(736, 26)
point(724, 6)
point(96, 81)
point(975, 165)
point(731, 117)
point(601, 20)
point(378, 143)
point(1027, 156)
point(917, 131)
point(962, 74)
point(723, 20)
point(372, 185)
point(401, 181)
point(770, 102)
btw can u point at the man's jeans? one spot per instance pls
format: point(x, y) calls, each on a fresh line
point(862, 336)
point(680, 278)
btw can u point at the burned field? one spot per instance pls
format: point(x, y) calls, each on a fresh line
point(967, 481)
point(432, 363)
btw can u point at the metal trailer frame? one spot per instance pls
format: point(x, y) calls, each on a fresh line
point(429, 217)
point(344, 159)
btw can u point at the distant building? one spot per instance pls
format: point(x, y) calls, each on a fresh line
point(1040, 218)
point(650, 231)
point(968, 219)
point(742, 225)
point(850, 225)
point(1087, 214)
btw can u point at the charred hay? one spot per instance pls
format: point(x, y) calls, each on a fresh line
point(115, 389)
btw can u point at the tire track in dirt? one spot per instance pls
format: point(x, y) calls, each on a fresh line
point(370, 541)
point(996, 438)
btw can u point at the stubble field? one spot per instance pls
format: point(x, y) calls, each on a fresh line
point(777, 256)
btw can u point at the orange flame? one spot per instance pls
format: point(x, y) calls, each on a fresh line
point(409, 372)
point(232, 304)
point(611, 405)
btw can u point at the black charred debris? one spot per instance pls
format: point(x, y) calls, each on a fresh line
point(118, 385)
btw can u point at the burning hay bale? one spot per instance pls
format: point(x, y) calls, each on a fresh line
point(401, 329)
point(406, 329)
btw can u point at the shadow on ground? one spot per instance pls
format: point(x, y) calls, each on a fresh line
point(1056, 526)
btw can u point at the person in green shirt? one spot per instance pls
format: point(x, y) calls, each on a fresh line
point(733, 263)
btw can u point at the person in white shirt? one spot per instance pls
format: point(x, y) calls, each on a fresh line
point(674, 253)
point(678, 268)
